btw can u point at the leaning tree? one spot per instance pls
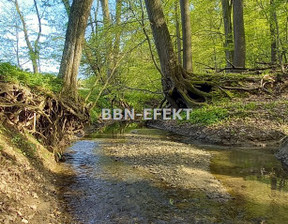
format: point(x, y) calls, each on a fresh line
point(177, 86)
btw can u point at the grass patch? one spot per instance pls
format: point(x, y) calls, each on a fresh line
point(11, 73)
point(227, 110)
point(208, 115)
point(26, 148)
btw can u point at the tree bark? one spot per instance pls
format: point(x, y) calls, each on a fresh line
point(273, 32)
point(227, 18)
point(118, 32)
point(239, 35)
point(67, 6)
point(105, 12)
point(108, 42)
point(178, 33)
point(17, 43)
point(36, 42)
point(186, 35)
point(176, 85)
point(79, 13)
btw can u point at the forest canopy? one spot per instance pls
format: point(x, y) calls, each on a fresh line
point(122, 65)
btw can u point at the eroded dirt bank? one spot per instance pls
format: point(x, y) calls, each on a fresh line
point(28, 173)
point(252, 120)
point(238, 134)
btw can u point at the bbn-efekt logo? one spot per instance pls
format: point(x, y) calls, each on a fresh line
point(146, 114)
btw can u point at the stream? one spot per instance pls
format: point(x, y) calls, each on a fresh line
point(151, 176)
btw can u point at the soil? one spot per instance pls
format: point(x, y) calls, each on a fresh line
point(232, 133)
point(265, 125)
point(28, 192)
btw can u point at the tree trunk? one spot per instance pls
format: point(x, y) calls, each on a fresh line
point(239, 35)
point(67, 6)
point(33, 52)
point(105, 12)
point(227, 14)
point(36, 42)
point(17, 44)
point(108, 42)
point(186, 35)
point(118, 32)
point(79, 13)
point(178, 33)
point(273, 32)
point(176, 85)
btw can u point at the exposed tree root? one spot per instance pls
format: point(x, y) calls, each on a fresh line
point(50, 119)
point(193, 90)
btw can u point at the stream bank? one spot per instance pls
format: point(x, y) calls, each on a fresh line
point(28, 180)
point(226, 134)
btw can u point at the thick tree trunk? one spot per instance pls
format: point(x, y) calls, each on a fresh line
point(186, 35)
point(227, 14)
point(239, 35)
point(176, 85)
point(79, 13)
point(163, 42)
point(86, 50)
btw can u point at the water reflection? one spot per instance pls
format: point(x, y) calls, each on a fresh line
point(257, 179)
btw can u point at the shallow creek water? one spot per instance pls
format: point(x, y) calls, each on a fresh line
point(151, 176)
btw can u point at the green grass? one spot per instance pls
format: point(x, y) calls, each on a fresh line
point(208, 115)
point(228, 110)
point(11, 73)
point(27, 148)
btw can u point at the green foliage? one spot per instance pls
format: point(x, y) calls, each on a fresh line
point(27, 148)
point(208, 115)
point(11, 73)
point(226, 110)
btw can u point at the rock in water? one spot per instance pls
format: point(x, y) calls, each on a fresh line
point(282, 154)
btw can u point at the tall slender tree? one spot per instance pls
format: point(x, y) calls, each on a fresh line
point(108, 42)
point(67, 6)
point(78, 17)
point(34, 49)
point(119, 31)
point(186, 35)
point(178, 32)
point(227, 18)
point(105, 12)
point(273, 31)
point(239, 35)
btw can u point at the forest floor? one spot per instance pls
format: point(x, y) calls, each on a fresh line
point(259, 121)
point(28, 176)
